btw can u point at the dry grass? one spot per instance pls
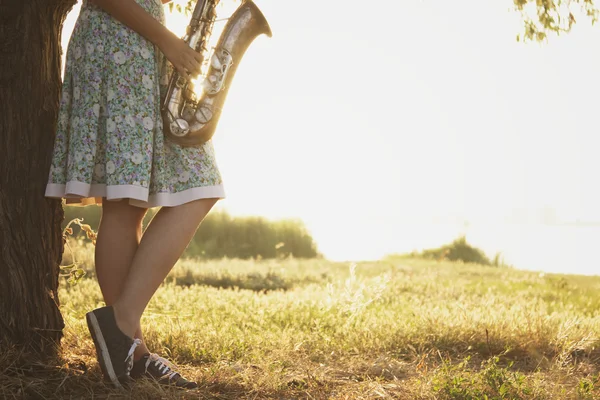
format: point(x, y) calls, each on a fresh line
point(399, 328)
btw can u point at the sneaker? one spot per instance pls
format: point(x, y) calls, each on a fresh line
point(113, 348)
point(161, 370)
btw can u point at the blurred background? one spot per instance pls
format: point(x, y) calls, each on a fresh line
point(388, 127)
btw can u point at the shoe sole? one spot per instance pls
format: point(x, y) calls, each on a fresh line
point(102, 350)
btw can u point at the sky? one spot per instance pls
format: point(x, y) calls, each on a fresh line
point(394, 125)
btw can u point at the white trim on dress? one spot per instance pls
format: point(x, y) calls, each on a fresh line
point(137, 195)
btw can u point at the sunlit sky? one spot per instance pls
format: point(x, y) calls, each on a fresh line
point(358, 117)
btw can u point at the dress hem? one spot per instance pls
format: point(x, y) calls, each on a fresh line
point(87, 194)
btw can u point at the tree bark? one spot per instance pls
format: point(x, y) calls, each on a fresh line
point(30, 234)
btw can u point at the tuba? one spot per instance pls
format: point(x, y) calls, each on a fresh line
point(190, 119)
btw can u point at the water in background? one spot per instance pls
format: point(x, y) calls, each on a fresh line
point(550, 248)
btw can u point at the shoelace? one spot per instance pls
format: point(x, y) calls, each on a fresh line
point(129, 359)
point(164, 366)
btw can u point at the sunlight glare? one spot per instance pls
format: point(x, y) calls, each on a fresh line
point(469, 128)
point(198, 86)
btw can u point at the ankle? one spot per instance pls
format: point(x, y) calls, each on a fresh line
point(140, 351)
point(125, 322)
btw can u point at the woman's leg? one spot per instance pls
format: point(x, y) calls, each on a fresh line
point(119, 236)
point(163, 242)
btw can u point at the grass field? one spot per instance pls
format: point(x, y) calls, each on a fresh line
point(313, 329)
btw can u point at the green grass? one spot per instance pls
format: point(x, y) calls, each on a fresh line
point(400, 328)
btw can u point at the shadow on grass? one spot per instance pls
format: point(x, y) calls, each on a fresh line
point(255, 281)
point(521, 355)
point(76, 381)
point(450, 375)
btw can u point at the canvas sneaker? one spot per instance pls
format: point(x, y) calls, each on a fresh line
point(113, 348)
point(161, 370)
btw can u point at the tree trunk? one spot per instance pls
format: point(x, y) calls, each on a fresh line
point(30, 235)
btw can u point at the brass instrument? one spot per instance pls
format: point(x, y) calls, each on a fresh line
point(192, 121)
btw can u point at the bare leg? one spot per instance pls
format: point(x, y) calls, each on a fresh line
point(119, 236)
point(162, 244)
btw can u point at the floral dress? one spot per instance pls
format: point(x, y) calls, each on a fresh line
point(109, 140)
